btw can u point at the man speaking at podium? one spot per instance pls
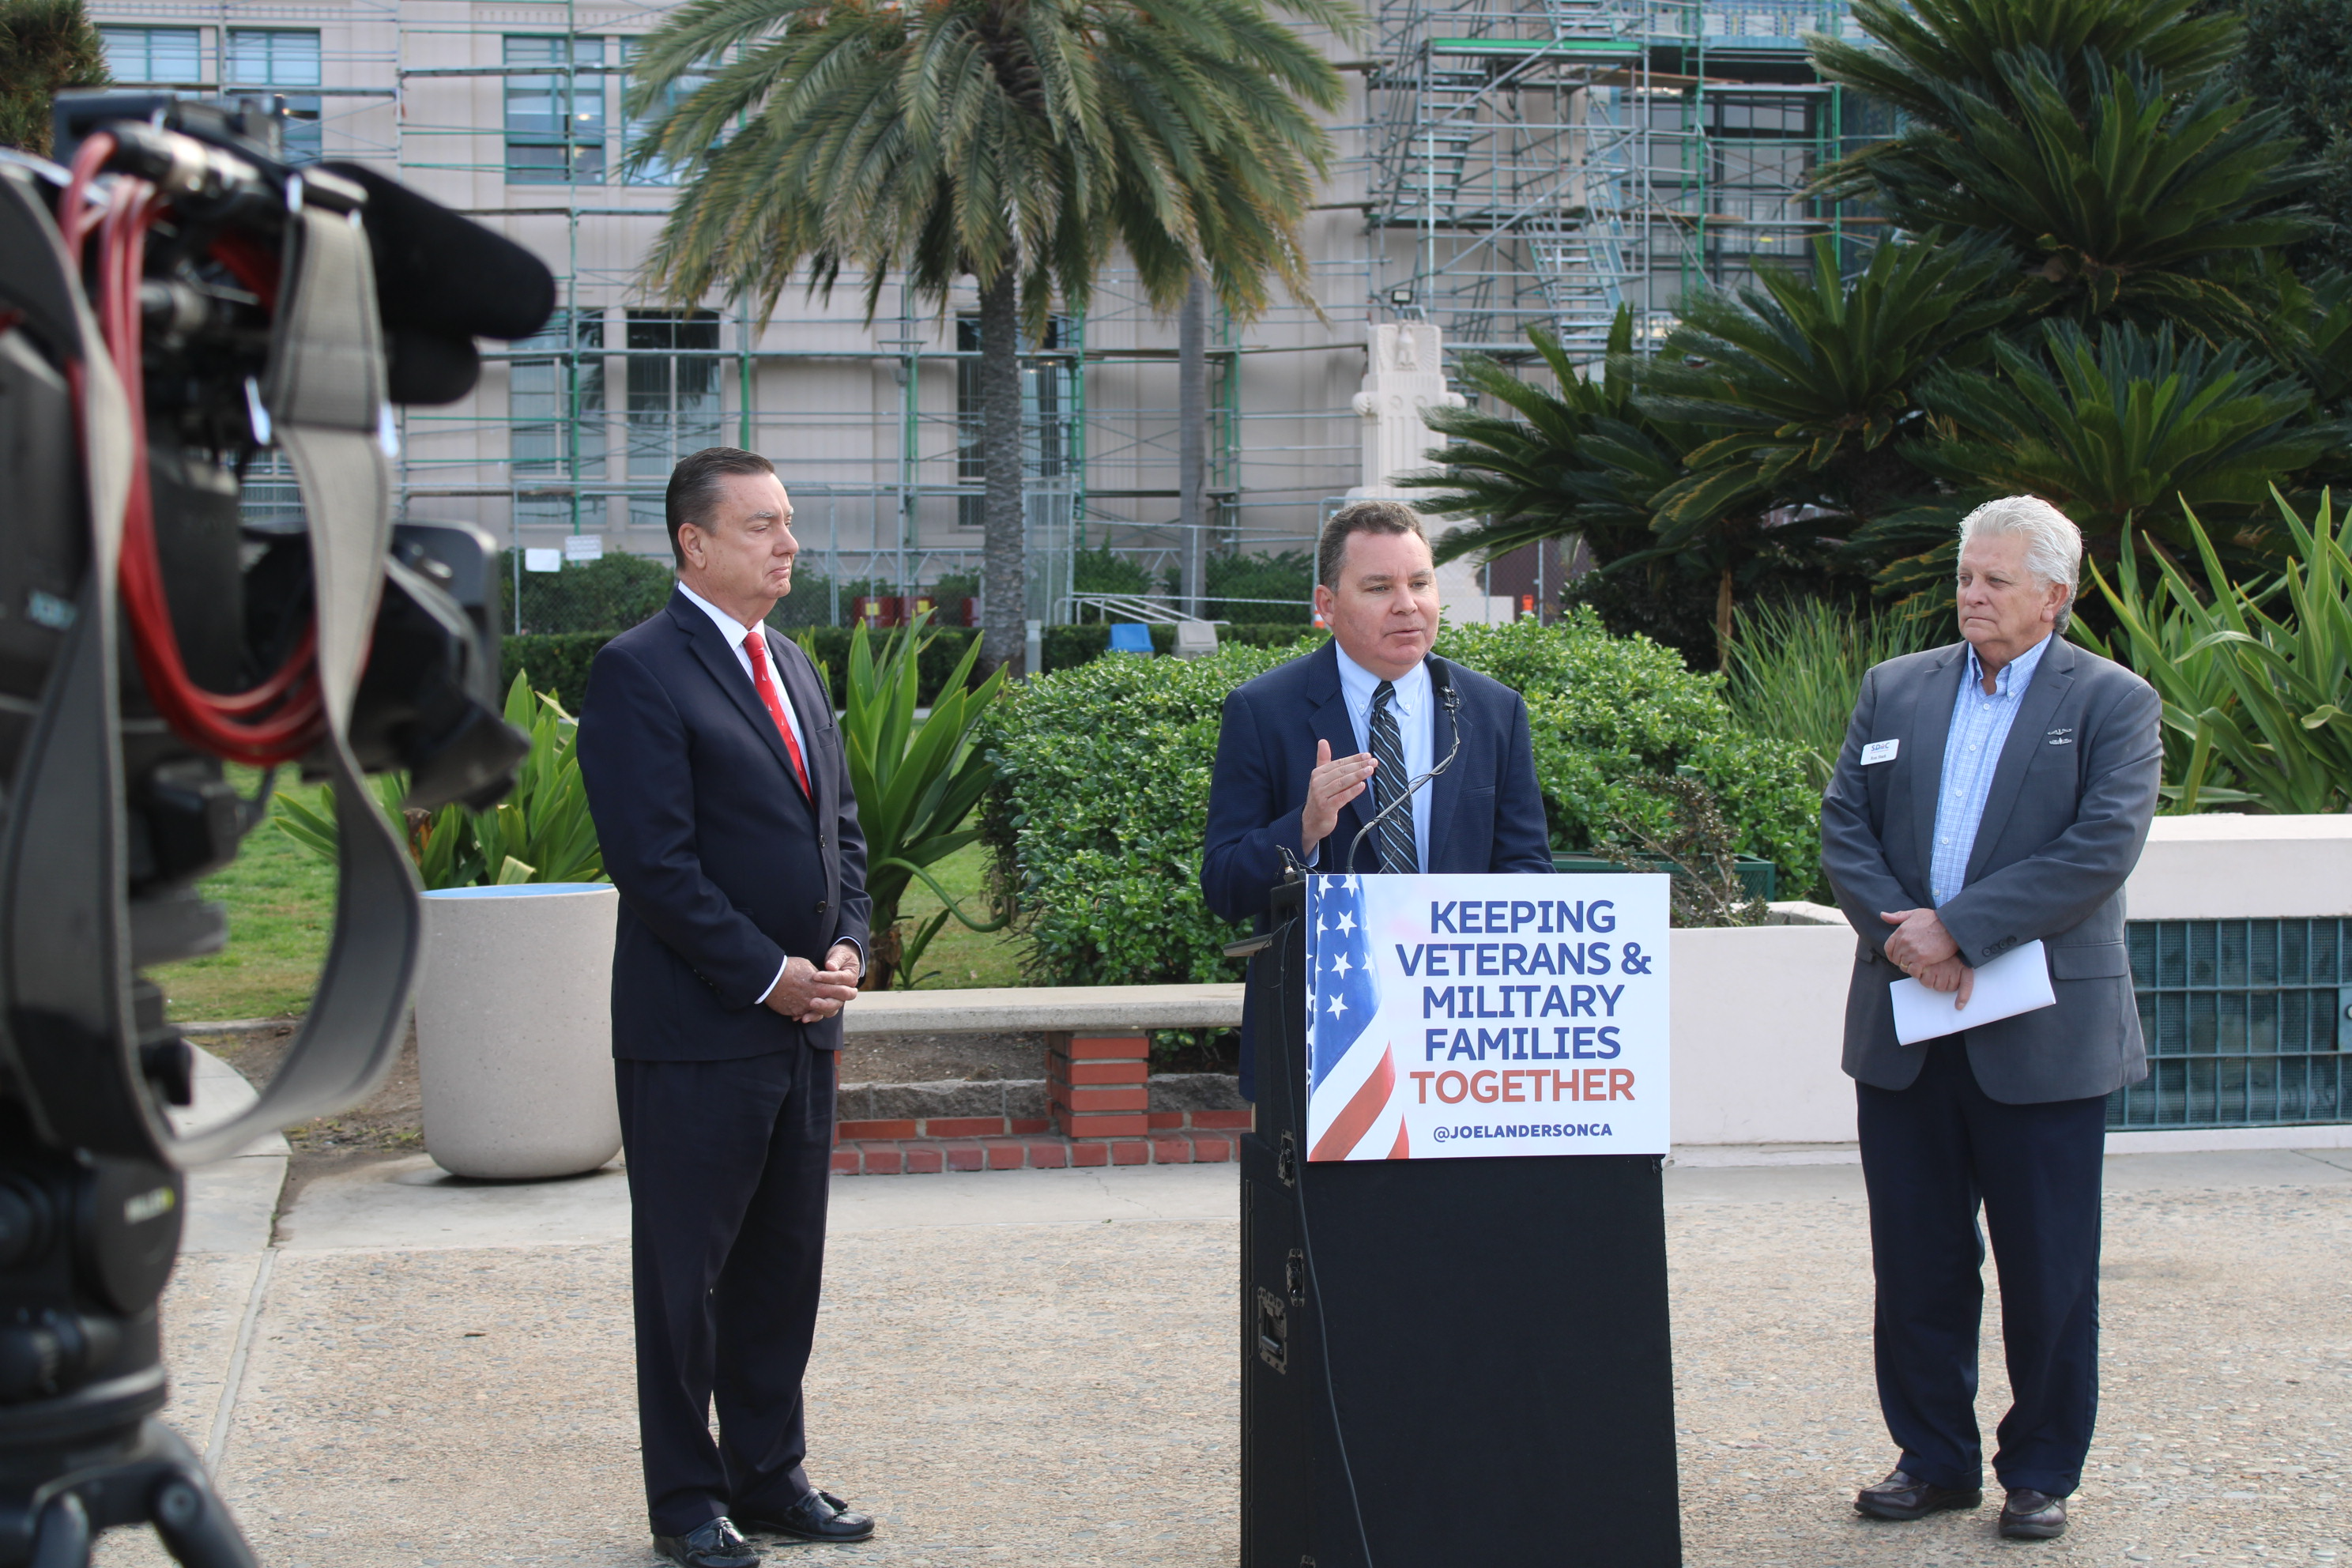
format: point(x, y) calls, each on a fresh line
point(1303, 746)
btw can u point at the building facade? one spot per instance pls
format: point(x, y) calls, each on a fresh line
point(1501, 165)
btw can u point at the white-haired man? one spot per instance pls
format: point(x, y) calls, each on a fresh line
point(1991, 793)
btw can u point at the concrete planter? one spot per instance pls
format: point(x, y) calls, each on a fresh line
point(514, 1035)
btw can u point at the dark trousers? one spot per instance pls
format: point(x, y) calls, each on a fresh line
point(728, 1166)
point(1931, 1154)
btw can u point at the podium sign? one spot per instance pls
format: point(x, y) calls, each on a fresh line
point(1457, 1016)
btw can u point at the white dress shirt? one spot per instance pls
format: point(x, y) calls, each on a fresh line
point(1416, 707)
point(734, 631)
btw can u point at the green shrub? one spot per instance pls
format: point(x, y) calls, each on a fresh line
point(1255, 578)
point(609, 594)
point(1604, 711)
point(557, 661)
point(1098, 816)
point(1095, 820)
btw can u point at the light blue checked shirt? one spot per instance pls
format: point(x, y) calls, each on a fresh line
point(1979, 728)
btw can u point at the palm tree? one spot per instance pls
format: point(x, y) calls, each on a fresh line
point(45, 45)
point(1014, 141)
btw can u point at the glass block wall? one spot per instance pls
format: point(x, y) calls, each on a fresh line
point(2245, 1021)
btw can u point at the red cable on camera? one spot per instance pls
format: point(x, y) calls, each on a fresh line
point(235, 725)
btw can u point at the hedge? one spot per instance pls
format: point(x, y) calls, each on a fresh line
point(559, 661)
point(1097, 816)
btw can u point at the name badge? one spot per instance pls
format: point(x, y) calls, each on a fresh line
point(1879, 752)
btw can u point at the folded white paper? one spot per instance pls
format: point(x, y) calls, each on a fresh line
point(2016, 981)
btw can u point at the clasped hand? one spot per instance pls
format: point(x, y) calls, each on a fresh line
point(808, 995)
point(1922, 949)
point(1329, 787)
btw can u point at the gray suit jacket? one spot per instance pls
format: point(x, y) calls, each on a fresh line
point(2069, 810)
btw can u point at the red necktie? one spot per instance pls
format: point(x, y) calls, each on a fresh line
point(757, 647)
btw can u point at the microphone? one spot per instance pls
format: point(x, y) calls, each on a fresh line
point(441, 281)
point(1441, 683)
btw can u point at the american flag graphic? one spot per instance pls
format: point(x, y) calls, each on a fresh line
point(1353, 1109)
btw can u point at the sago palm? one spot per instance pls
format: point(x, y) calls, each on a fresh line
point(1923, 52)
point(2139, 200)
point(1014, 141)
point(1810, 377)
point(2118, 431)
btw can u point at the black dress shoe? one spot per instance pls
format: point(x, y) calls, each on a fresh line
point(2030, 1515)
point(820, 1516)
point(1906, 1497)
point(716, 1545)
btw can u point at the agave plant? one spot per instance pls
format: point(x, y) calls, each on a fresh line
point(541, 833)
point(917, 781)
point(2258, 677)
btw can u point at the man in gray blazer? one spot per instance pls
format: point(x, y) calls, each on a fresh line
point(1991, 794)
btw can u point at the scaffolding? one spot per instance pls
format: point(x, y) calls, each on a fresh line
point(1549, 162)
point(1502, 164)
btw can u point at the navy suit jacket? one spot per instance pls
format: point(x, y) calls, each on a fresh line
point(723, 866)
point(1485, 813)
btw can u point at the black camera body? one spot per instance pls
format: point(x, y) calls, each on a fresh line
point(176, 307)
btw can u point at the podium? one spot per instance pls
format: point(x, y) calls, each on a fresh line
point(1445, 1360)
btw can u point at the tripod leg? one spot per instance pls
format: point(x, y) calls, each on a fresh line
point(64, 1537)
point(196, 1525)
point(188, 1514)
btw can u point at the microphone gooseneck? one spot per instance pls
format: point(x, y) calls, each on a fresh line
point(1441, 683)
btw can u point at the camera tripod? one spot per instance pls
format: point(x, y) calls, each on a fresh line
point(86, 1245)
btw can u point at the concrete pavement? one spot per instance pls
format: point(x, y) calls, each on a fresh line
point(1037, 1367)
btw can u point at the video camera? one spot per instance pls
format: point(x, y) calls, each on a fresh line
point(177, 303)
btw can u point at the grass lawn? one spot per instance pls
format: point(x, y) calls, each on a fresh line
point(281, 903)
point(281, 898)
point(958, 957)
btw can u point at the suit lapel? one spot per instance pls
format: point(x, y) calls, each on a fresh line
point(1931, 730)
point(720, 661)
point(2026, 732)
point(1446, 789)
point(1330, 721)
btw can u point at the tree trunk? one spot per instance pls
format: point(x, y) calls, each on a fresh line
point(1004, 559)
point(1193, 442)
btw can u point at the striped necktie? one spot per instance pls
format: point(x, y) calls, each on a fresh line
point(1397, 853)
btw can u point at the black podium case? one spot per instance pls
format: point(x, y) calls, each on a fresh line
point(1492, 1333)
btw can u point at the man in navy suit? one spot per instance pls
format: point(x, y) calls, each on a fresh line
point(1303, 746)
point(721, 797)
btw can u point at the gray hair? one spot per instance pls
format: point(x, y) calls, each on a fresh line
point(2054, 546)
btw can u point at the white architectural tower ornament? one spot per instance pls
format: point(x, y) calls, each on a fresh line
point(1404, 376)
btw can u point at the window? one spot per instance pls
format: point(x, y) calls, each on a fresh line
point(555, 123)
point(158, 57)
point(1046, 391)
point(661, 172)
point(556, 406)
point(282, 57)
point(673, 396)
